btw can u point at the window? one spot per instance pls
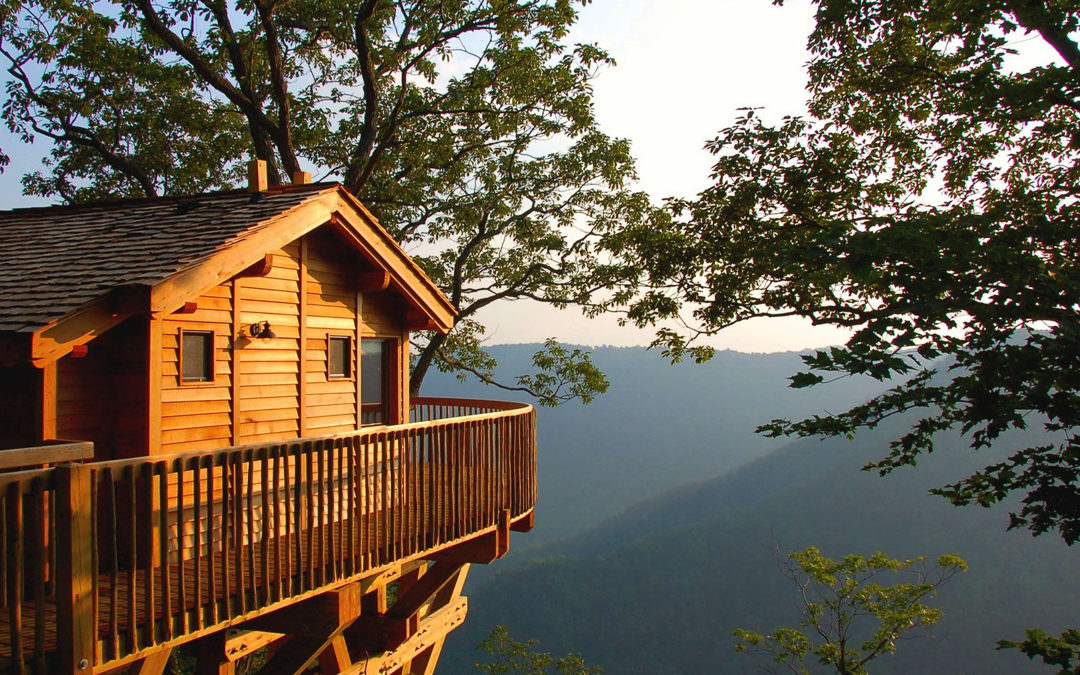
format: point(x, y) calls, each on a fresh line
point(196, 356)
point(375, 374)
point(338, 356)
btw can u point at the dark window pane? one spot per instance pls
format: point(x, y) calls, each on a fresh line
point(338, 357)
point(197, 356)
point(374, 382)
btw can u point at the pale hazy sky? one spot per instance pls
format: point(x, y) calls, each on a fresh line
point(684, 68)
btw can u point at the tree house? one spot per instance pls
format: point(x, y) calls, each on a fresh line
point(209, 441)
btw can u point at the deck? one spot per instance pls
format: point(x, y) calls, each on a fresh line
point(211, 539)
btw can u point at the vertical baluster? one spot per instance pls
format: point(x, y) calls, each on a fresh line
point(146, 538)
point(328, 486)
point(309, 450)
point(110, 519)
point(133, 558)
point(35, 526)
point(226, 517)
point(298, 512)
point(163, 538)
point(350, 509)
point(238, 533)
point(95, 563)
point(211, 556)
point(365, 501)
point(197, 548)
point(386, 550)
point(264, 549)
point(251, 585)
point(180, 469)
point(292, 532)
point(15, 578)
point(278, 534)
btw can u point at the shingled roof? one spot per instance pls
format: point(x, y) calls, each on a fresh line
point(56, 259)
point(61, 267)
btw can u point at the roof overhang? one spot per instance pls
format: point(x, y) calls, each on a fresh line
point(427, 307)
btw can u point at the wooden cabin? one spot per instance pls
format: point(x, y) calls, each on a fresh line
point(208, 441)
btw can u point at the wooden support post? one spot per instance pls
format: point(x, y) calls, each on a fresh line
point(46, 402)
point(151, 665)
point(75, 620)
point(316, 625)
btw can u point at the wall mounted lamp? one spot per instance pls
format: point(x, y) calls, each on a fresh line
point(261, 330)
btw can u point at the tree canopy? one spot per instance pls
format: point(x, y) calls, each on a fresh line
point(928, 203)
point(466, 126)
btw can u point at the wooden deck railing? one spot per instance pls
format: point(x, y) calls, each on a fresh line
point(99, 561)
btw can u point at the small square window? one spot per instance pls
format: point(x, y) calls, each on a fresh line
point(338, 356)
point(196, 356)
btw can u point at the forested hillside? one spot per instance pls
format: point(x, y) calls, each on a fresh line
point(658, 427)
point(660, 587)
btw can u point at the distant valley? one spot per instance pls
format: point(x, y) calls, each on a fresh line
point(660, 513)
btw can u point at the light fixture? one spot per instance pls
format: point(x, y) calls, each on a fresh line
point(261, 330)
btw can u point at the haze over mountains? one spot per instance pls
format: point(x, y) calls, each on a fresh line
point(660, 514)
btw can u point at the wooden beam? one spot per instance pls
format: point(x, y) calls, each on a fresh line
point(315, 615)
point(434, 628)
point(192, 281)
point(248, 642)
point(407, 277)
point(301, 177)
point(188, 308)
point(483, 549)
point(154, 664)
point(524, 523)
point(316, 625)
point(40, 455)
point(335, 658)
point(57, 339)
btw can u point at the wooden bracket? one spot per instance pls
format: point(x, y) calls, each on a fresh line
point(258, 269)
point(187, 308)
point(371, 282)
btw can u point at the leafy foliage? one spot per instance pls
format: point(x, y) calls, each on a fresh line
point(514, 656)
point(928, 203)
point(466, 126)
point(1061, 651)
point(852, 618)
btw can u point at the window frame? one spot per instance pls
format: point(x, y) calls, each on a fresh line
point(350, 358)
point(211, 370)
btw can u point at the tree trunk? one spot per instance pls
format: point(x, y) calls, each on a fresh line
point(423, 364)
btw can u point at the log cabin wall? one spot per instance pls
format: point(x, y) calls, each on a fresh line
point(310, 295)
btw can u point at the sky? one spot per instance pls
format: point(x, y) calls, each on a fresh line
point(684, 68)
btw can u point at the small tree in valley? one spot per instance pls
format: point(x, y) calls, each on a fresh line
point(849, 616)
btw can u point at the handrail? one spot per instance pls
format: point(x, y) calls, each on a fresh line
point(173, 545)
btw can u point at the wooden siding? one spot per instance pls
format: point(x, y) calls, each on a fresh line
point(268, 391)
point(271, 389)
point(198, 415)
point(331, 295)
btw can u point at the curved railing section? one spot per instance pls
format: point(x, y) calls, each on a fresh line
point(140, 552)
